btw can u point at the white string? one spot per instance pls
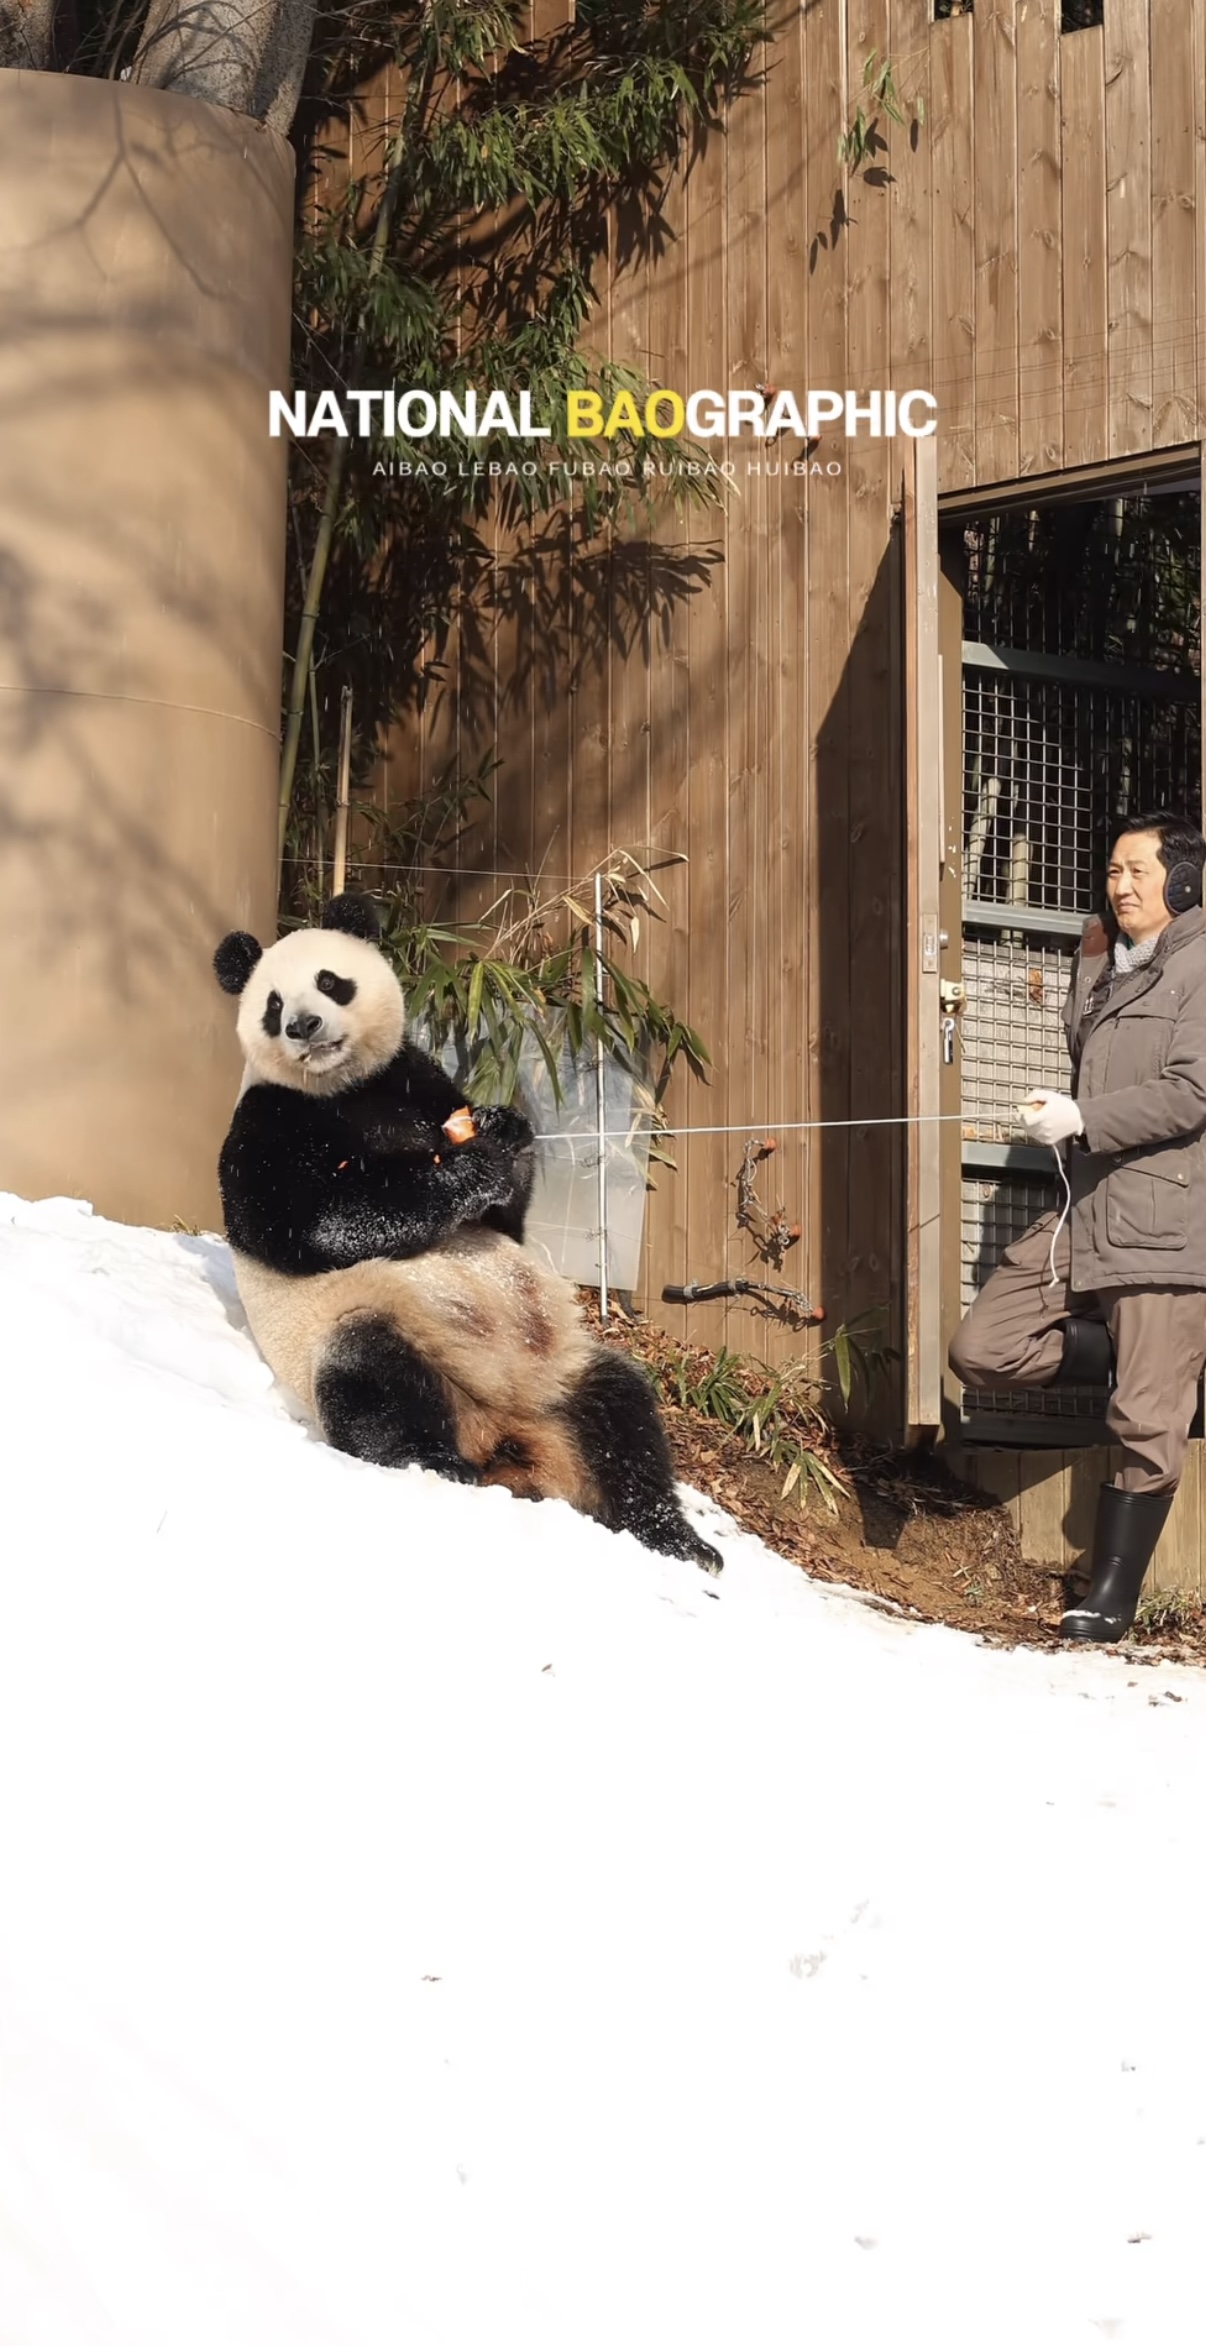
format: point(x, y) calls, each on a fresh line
point(701, 1131)
point(1062, 1170)
point(823, 1124)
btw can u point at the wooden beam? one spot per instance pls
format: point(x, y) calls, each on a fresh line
point(923, 844)
point(1129, 56)
point(950, 912)
point(1083, 212)
point(1040, 306)
point(1168, 468)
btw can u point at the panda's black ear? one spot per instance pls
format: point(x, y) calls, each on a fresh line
point(235, 959)
point(356, 916)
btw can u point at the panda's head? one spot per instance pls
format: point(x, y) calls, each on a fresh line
point(319, 1011)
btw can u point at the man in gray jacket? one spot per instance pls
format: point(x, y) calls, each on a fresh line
point(1120, 1290)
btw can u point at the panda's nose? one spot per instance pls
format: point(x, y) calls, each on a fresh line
point(306, 1023)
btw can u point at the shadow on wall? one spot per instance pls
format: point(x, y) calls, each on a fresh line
point(135, 807)
point(145, 285)
point(858, 900)
point(488, 645)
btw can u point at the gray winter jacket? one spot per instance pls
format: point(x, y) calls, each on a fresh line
point(1138, 1175)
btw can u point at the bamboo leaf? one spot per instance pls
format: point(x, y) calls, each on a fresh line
point(841, 1355)
point(826, 1483)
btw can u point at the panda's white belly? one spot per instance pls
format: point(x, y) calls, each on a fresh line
point(482, 1312)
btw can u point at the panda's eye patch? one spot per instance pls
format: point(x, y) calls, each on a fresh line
point(341, 990)
point(272, 1014)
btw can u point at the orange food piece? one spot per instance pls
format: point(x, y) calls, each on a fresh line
point(459, 1126)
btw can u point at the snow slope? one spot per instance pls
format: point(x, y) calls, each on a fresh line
point(427, 1920)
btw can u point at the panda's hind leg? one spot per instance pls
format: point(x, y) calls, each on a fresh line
point(617, 1429)
point(377, 1399)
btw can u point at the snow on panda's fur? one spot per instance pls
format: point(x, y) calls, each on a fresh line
point(381, 1264)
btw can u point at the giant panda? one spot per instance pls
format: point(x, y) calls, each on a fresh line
point(380, 1263)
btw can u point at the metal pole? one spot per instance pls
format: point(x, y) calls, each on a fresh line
point(600, 1102)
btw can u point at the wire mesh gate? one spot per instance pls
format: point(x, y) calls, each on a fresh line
point(1081, 701)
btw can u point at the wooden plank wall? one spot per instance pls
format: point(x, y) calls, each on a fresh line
point(1035, 254)
point(1051, 1496)
point(1069, 234)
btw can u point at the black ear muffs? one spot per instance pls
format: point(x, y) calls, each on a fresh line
point(235, 959)
point(1182, 887)
point(353, 916)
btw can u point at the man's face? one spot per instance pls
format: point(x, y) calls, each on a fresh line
point(1135, 886)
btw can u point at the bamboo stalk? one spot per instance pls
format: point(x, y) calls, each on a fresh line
point(340, 857)
point(600, 1103)
point(305, 639)
point(321, 824)
point(325, 537)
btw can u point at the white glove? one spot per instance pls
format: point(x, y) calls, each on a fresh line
point(1050, 1117)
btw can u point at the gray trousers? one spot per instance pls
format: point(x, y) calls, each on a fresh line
point(1013, 1336)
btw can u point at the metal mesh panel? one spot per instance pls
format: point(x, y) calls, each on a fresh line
point(996, 1211)
point(1116, 579)
point(1048, 767)
point(1012, 1033)
point(1067, 1402)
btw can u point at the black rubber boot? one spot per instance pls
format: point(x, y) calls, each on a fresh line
point(1088, 1354)
point(1129, 1523)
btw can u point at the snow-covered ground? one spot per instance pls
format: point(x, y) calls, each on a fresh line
point(427, 1920)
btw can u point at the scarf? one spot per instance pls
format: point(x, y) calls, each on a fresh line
point(1129, 957)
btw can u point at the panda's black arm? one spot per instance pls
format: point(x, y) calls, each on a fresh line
point(421, 1088)
point(302, 1193)
point(420, 1085)
point(401, 1205)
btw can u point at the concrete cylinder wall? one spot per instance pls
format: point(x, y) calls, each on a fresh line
point(145, 283)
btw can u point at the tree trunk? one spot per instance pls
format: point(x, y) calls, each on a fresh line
point(249, 55)
point(27, 30)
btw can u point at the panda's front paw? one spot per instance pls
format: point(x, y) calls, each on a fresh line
point(503, 1128)
point(456, 1470)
